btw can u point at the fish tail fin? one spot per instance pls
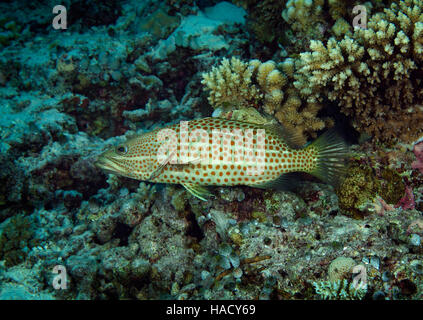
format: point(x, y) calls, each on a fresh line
point(332, 153)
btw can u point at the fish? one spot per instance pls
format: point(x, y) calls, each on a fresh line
point(219, 152)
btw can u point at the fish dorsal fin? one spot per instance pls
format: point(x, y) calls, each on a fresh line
point(286, 181)
point(291, 137)
point(198, 191)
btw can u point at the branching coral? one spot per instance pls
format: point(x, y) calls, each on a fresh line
point(231, 84)
point(239, 85)
point(374, 75)
point(302, 13)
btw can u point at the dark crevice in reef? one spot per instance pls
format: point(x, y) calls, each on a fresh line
point(343, 123)
point(194, 229)
point(95, 12)
point(122, 232)
point(177, 81)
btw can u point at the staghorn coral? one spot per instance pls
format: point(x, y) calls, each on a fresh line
point(303, 13)
point(374, 75)
point(231, 84)
point(344, 8)
point(301, 117)
point(270, 81)
point(295, 114)
point(237, 84)
point(296, 22)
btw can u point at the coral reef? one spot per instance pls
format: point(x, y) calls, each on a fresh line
point(128, 67)
point(264, 18)
point(361, 191)
point(373, 75)
point(339, 290)
point(237, 85)
point(340, 268)
point(16, 240)
point(302, 14)
point(418, 152)
point(291, 24)
point(230, 84)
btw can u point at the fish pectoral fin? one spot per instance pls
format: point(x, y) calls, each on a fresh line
point(286, 181)
point(156, 172)
point(195, 161)
point(201, 192)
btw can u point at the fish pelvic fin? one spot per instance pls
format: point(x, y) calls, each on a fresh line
point(332, 154)
point(198, 191)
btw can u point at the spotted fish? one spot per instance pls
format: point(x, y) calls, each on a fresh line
point(221, 152)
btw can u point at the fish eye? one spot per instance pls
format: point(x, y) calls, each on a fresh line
point(122, 149)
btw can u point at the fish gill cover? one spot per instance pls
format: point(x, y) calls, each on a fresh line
point(85, 77)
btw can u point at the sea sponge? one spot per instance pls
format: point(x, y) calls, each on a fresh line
point(374, 75)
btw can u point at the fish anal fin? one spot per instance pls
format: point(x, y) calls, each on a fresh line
point(198, 191)
point(286, 181)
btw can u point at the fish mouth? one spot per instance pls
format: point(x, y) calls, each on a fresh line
point(109, 165)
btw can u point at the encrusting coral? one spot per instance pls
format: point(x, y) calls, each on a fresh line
point(374, 75)
point(16, 239)
point(238, 85)
point(359, 194)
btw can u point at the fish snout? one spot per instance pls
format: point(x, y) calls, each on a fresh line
point(99, 163)
point(104, 163)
